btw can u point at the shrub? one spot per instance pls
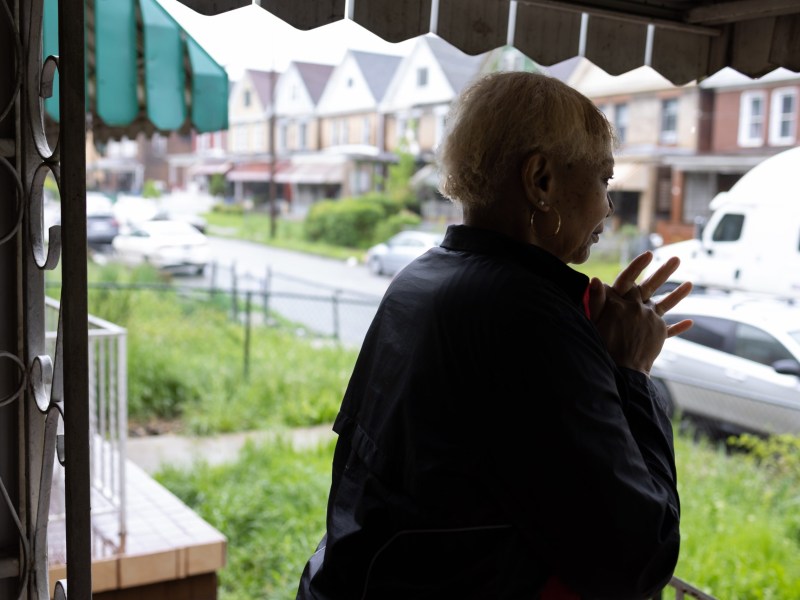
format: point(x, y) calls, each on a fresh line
point(228, 208)
point(394, 224)
point(150, 189)
point(348, 222)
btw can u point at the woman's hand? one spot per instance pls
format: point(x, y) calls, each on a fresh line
point(629, 322)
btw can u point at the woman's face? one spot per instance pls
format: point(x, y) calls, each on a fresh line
point(581, 199)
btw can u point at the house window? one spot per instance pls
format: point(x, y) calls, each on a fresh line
point(158, 143)
point(440, 127)
point(365, 137)
point(402, 123)
point(783, 117)
point(334, 133)
point(240, 138)
point(621, 121)
point(302, 136)
point(246, 98)
point(349, 82)
point(204, 142)
point(751, 118)
point(422, 76)
point(344, 134)
point(669, 121)
point(260, 143)
point(283, 130)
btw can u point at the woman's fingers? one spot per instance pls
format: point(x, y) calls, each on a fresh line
point(672, 299)
point(650, 285)
point(626, 280)
point(679, 327)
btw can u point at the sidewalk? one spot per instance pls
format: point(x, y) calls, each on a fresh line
point(150, 453)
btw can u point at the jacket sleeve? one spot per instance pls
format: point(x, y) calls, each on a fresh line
point(580, 454)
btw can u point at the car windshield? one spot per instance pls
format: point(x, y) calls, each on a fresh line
point(795, 335)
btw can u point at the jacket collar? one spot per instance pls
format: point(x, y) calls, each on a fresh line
point(485, 241)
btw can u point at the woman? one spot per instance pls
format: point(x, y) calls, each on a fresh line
point(499, 437)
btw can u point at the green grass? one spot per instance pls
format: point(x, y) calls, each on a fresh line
point(740, 525)
point(271, 506)
point(256, 227)
point(186, 361)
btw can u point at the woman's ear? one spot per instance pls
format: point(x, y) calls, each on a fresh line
point(536, 177)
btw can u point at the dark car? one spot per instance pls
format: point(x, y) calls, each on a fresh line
point(101, 223)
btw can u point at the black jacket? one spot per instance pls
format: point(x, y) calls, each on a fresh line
point(487, 442)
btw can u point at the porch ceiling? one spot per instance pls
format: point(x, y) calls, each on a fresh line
point(684, 40)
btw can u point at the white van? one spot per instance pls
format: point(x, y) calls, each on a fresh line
point(752, 240)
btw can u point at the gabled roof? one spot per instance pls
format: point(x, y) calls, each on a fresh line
point(314, 76)
point(263, 81)
point(459, 68)
point(564, 70)
point(377, 69)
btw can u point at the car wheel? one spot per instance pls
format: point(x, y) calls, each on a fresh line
point(375, 266)
point(665, 398)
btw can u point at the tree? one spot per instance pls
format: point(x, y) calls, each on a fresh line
point(216, 185)
point(398, 181)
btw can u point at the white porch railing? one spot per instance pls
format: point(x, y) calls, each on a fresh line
point(108, 417)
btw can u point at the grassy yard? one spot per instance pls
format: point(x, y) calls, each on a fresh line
point(740, 525)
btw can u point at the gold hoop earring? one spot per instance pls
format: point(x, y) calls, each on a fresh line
point(558, 223)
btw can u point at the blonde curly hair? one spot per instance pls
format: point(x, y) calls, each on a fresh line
point(501, 118)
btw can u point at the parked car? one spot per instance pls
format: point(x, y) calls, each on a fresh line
point(102, 225)
point(163, 244)
point(738, 367)
point(389, 257)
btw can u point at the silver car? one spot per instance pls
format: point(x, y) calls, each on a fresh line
point(738, 367)
point(389, 257)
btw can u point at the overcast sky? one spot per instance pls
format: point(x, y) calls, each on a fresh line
point(250, 37)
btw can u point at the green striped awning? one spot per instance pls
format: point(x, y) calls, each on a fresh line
point(144, 73)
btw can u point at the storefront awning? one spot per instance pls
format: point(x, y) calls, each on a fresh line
point(144, 73)
point(681, 39)
point(629, 177)
point(259, 172)
point(313, 174)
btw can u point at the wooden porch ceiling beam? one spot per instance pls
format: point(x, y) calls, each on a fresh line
point(741, 10)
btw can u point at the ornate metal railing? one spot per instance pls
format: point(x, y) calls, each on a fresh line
point(41, 393)
point(108, 418)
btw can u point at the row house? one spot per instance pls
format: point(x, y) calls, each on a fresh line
point(679, 146)
point(335, 129)
point(655, 122)
point(349, 155)
point(750, 120)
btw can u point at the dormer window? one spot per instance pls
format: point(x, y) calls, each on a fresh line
point(349, 82)
point(246, 98)
point(422, 76)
